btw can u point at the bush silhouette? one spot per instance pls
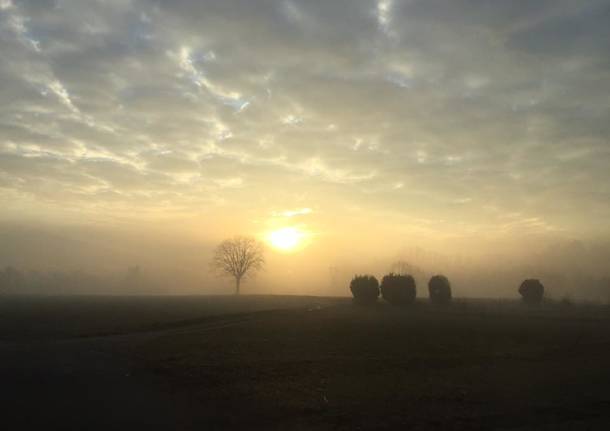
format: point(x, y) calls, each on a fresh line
point(365, 289)
point(531, 291)
point(439, 289)
point(398, 289)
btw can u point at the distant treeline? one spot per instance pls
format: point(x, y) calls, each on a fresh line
point(401, 289)
point(15, 281)
point(398, 289)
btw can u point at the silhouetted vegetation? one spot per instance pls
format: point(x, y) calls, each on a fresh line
point(406, 268)
point(398, 289)
point(531, 291)
point(15, 281)
point(365, 289)
point(439, 289)
point(238, 257)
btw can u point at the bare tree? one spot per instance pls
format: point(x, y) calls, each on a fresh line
point(238, 257)
point(401, 267)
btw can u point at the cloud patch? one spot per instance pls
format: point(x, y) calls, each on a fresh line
point(421, 109)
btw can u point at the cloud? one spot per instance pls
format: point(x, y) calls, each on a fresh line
point(416, 108)
point(292, 213)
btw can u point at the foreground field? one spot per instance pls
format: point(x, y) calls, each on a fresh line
point(35, 317)
point(315, 363)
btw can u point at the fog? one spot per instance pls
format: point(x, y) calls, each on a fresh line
point(90, 260)
point(461, 138)
point(269, 214)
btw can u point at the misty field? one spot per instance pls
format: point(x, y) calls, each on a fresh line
point(265, 362)
point(86, 316)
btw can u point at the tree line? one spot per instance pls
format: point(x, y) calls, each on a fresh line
point(401, 289)
point(17, 281)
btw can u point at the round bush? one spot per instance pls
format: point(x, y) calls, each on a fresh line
point(531, 291)
point(398, 289)
point(365, 289)
point(439, 289)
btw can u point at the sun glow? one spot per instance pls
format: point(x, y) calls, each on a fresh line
point(286, 239)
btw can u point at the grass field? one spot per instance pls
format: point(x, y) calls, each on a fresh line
point(303, 363)
point(73, 315)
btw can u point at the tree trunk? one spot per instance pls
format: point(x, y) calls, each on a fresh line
point(237, 283)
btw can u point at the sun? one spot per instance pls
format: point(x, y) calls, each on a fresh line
point(286, 239)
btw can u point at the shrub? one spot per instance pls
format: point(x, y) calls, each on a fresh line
point(365, 289)
point(398, 289)
point(531, 291)
point(439, 289)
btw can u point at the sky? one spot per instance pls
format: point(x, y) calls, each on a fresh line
point(469, 129)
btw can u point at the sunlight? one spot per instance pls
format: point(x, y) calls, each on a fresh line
point(286, 239)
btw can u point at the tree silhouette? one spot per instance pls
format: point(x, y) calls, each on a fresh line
point(531, 291)
point(439, 289)
point(238, 257)
point(365, 289)
point(398, 289)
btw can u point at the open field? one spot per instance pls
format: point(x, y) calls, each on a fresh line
point(302, 363)
point(75, 315)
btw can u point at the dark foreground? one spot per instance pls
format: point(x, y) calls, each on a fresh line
point(301, 363)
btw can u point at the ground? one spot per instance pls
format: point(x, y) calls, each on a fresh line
point(265, 362)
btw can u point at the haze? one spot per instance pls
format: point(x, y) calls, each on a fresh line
point(463, 137)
